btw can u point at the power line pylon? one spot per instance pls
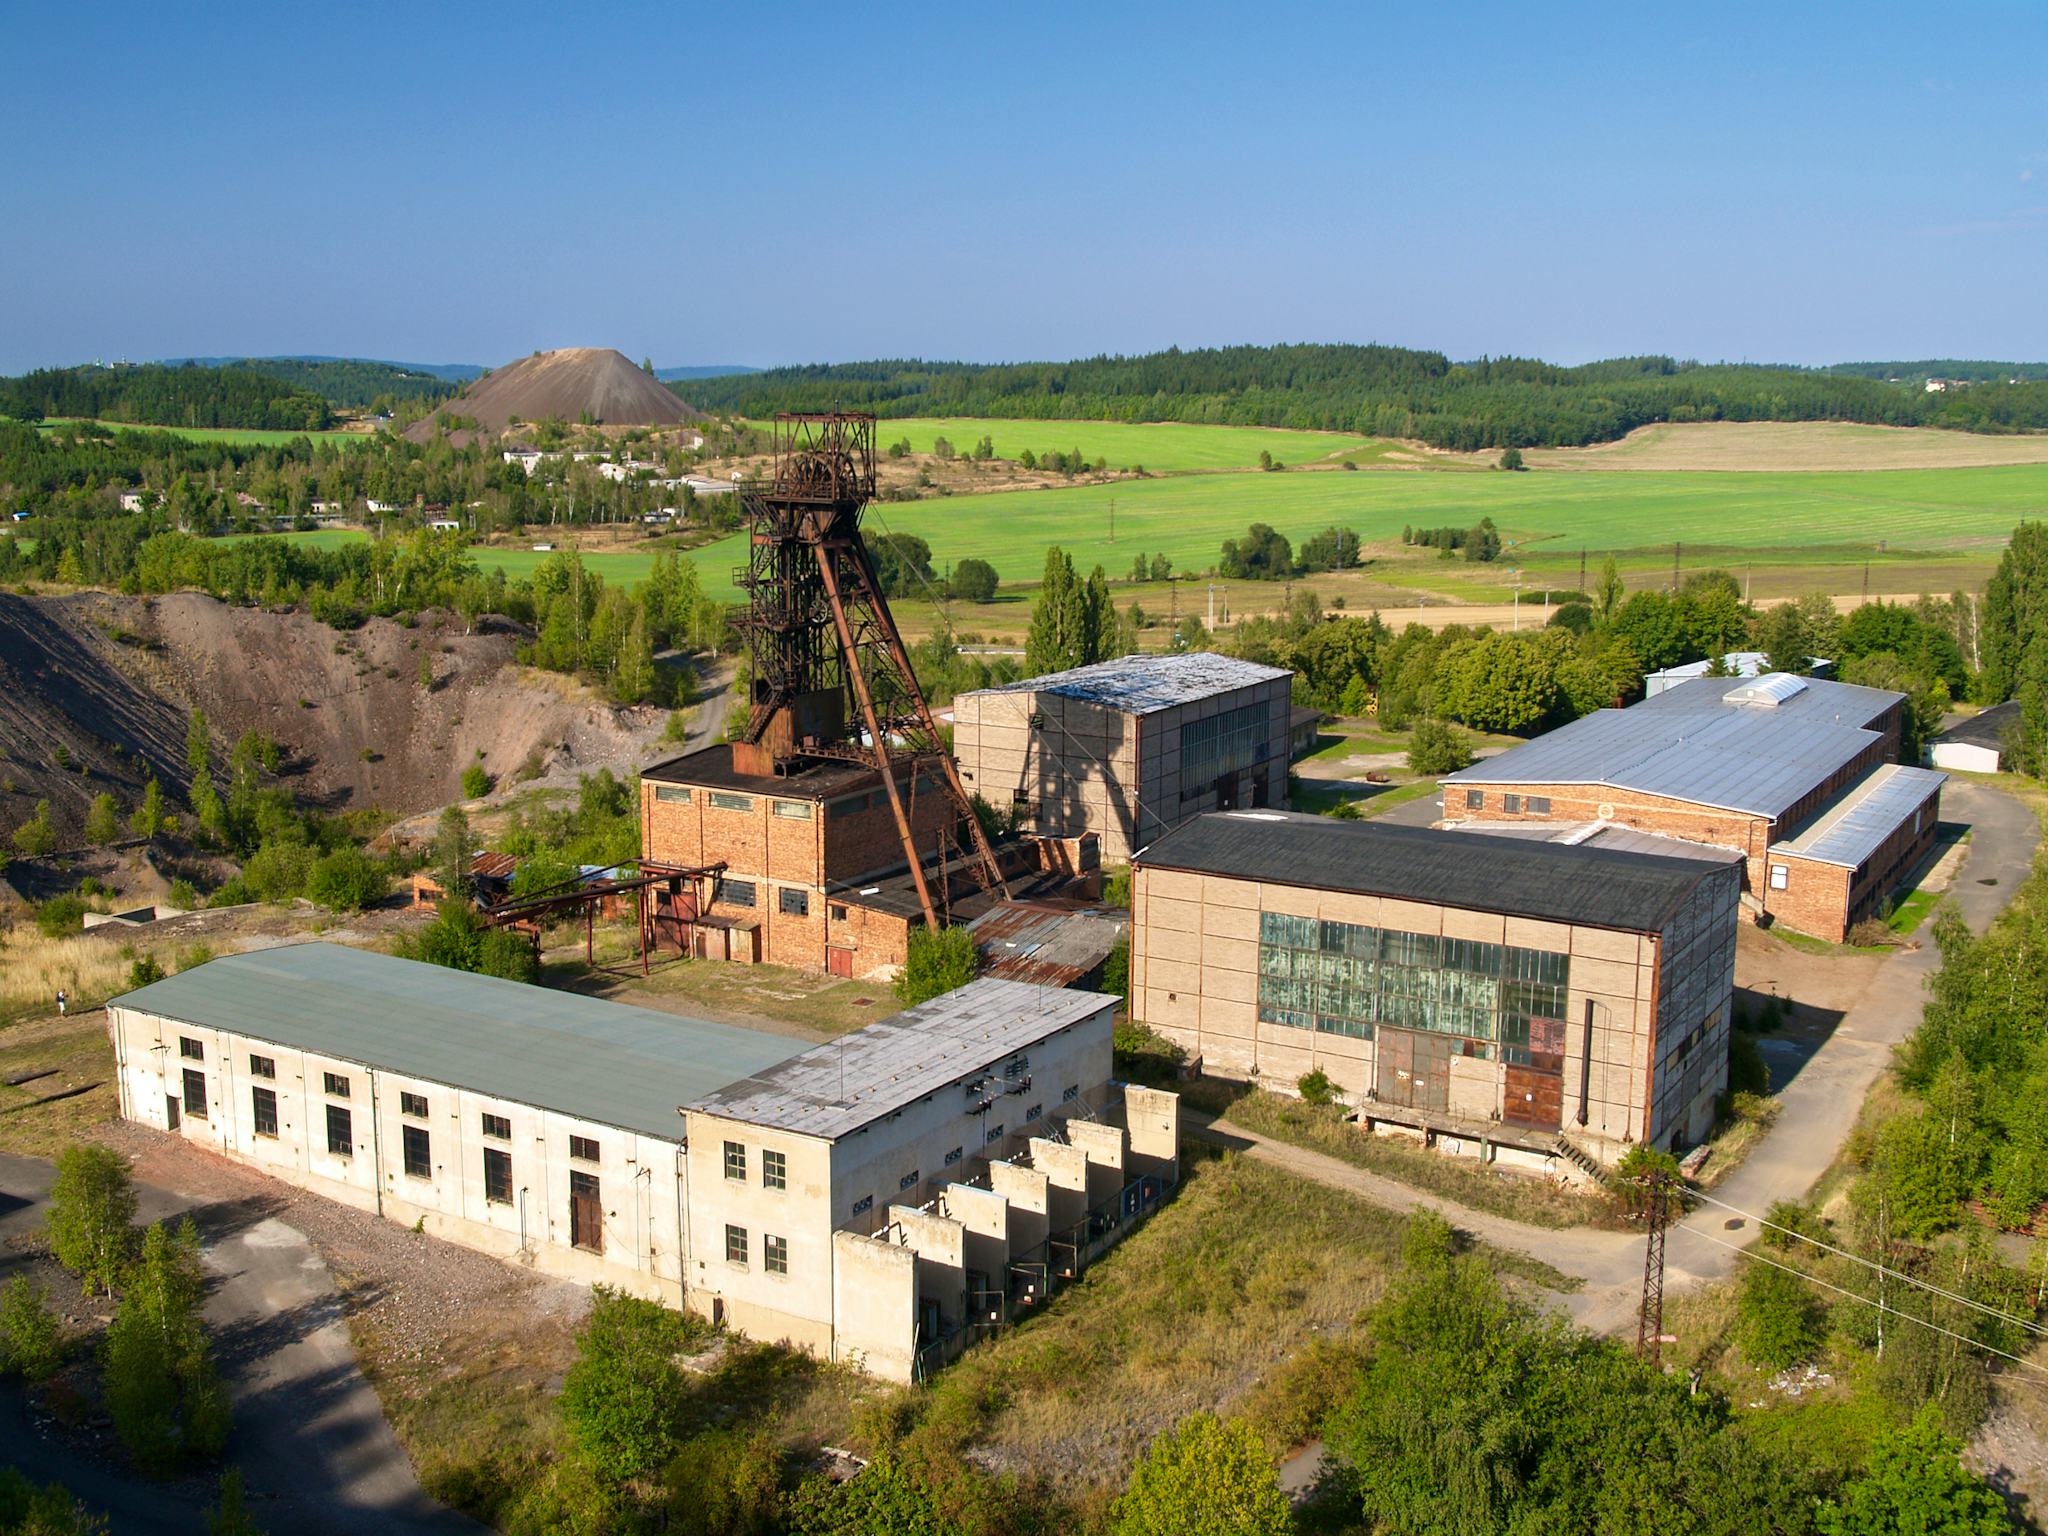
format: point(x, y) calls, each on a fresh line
point(1657, 1197)
point(831, 677)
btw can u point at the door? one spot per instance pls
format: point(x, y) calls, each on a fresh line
point(1226, 792)
point(838, 962)
point(171, 1110)
point(1395, 1066)
point(1432, 1083)
point(586, 1213)
point(1533, 1098)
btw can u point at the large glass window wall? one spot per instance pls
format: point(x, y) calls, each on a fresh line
point(1347, 979)
point(1223, 743)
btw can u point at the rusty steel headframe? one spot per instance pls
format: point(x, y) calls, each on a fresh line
point(831, 676)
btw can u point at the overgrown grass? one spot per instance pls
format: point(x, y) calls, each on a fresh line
point(90, 969)
point(73, 1091)
point(1402, 794)
point(1323, 1128)
point(825, 1005)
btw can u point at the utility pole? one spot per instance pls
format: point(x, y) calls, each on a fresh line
point(1866, 581)
point(1674, 568)
point(1212, 607)
point(1112, 519)
point(1656, 1200)
point(1582, 570)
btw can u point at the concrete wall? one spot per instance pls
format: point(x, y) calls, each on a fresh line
point(639, 1176)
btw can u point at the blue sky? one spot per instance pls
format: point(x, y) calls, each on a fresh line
point(758, 184)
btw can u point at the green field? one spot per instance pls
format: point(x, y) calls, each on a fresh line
point(256, 435)
point(1158, 446)
point(1961, 517)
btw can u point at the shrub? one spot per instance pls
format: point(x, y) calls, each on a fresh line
point(476, 781)
point(92, 1215)
point(1777, 1321)
point(278, 871)
point(1784, 1219)
point(1316, 1088)
point(102, 821)
point(347, 880)
point(974, 580)
point(61, 915)
point(185, 894)
point(458, 939)
point(725, 1483)
point(1747, 1072)
point(162, 1391)
point(1872, 933)
point(31, 1341)
point(1437, 746)
point(1116, 886)
point(1143, 1055)
point(144, 971)
point(1207, 1477)
point(36, 837)
point(1511, 458)
point(938, 961)
point(1116, 970)
point(622, 1398)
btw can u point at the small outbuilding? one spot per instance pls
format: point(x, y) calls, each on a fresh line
point(1978, 744)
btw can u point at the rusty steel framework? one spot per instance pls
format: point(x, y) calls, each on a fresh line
point(1657, 1193)
point(831, 676)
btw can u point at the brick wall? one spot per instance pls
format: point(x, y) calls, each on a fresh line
point(1815, 899)
point(1827, 900)
point(1749, 835)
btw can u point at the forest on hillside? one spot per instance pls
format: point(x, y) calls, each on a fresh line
point(1376, 391)
point(154, 395)
point(350, 383)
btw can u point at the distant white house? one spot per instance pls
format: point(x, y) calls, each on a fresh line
point(325, 509)
point(1938, 386)
point(704, 485)
point(133, 501)
point(661, 515)
point(1978, 744)
point(445, 525)
point(381, 506)
point(526, 458)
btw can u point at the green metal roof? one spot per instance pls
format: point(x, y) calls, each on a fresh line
point(605, 1062)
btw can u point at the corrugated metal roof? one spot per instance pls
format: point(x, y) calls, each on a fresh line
point(1601, 834)
point(1869, 811)
point(1689, 743)
point(1599, 887)
point(832, 1090)
point(1053, 946)
point(606, 1062)
point(1140, 684)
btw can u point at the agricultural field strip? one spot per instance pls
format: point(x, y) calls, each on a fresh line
point(1164, 446)
point(261, 436)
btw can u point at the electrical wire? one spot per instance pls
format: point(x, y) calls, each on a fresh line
point(1961, 1338)
point(1888, 1273)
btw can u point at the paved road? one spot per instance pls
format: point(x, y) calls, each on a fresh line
point(1820, 1104)
point(310, 1435)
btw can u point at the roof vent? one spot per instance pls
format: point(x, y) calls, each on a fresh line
point(1768, 691)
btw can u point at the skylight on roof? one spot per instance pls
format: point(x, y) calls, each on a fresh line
point(1768, 691)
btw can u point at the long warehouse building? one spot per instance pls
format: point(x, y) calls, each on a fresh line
point(881, 1198)
point(1549, 1004)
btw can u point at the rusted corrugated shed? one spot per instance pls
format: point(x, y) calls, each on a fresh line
point(1053, 945)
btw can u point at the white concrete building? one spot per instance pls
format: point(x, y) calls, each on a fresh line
point(883, 1198)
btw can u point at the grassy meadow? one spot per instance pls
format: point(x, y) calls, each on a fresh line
point(1167, 446)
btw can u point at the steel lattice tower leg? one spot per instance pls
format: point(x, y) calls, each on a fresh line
point(1650, 1317)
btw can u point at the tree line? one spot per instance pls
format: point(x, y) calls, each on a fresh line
point(187, 396)
point(1376, 391)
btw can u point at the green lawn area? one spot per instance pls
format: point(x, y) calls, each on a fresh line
point(1158, 446)
point(1908, 915)
point(256, 435)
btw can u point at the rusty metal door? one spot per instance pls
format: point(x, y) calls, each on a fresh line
point(1533, 1098)
point(1395, 1068)
point(838, 962)
point(1431, 1086)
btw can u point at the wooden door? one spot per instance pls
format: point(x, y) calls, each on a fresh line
point(171, 1110)
point(1533, 1098)
point(586, 1213)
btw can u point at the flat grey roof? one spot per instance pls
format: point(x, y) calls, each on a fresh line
point(1595, 887)
point(1140, 684)
point(1986, 728)
point(1601, 834)
point(1691, 742)
point(832, 1090)
point(1869, 811)
point(605, 1062)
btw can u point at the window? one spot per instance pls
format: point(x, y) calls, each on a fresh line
point(724, 802)
point(671, 794)
point(498, 1126)
point(774, 1170)
point(993, 1137)
point(955, 1155)
point(1071, 1093)
point(191, 1049)
point(774, 1254)
point(735, 1244)
point(414, 1104)
point(263, 1104)
point(584, 1148)
point(908, 1181)
point(1780, 877)
point(795, 810)
point(1475, 799)
point(262, 1066)
point(341, 1139)
point(794, 903)
point(838, 913)
point(586, 1213)
point(1221, 744)
point(736, 893)
point(195, 1093)
point(735, 1160)
point(497, 1176)
point(335, 1084)
point(1512, 804)
point(419, 1162)
point(1537, 805)
point(1034, 1112)
point(863, 1205)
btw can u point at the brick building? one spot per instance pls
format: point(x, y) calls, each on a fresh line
point(799, 848)
point(1128, 749)
point(1528, 1002)
point(1748, 764)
